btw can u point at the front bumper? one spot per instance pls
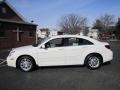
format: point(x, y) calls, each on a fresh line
point(11, 61)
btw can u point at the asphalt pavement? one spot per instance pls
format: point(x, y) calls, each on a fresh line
point(64, 78)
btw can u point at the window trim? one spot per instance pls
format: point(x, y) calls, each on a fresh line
point(69, 45)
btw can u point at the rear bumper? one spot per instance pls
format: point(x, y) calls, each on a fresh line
point(108, 56)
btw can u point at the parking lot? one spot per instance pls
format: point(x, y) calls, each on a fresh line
point(64, 78)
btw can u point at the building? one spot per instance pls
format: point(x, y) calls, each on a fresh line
point(42, 33)
point(15, 31)
point(93, 33)
point(45, 32)
point(55, 32)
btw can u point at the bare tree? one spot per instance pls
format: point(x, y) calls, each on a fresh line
point(117, 32)
point(72, 24)
point(104, 23)
point(107, 21)
point(98, 25)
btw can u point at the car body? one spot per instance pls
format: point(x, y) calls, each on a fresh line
point(61, 50)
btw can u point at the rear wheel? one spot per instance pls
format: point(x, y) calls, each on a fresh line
point(26, 63)
point(93, 61)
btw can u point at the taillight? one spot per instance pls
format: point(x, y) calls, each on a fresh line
point(108, 46)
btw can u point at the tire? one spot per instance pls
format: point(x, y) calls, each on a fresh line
point(93, 62)
point(26, 63)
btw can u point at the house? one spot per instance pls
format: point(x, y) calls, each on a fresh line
point(42, 33)
point(45, 32)
point(55, 32)
point(93, 33)
point(15, 31)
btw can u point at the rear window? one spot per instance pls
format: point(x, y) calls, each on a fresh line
point(78, 42)
point(84, 42)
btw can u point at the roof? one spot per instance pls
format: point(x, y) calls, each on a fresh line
point(14, 10)
point(24, 21)
point(1, 1)
point(17, 22)
point(69, 36)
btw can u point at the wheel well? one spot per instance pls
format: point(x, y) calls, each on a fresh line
point(96, 54)
point(22, 56)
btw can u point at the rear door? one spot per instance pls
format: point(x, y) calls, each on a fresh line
point(76, 50)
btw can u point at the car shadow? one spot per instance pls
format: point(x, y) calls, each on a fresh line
point(65, 66)
point(58, 67)
point(106, 63)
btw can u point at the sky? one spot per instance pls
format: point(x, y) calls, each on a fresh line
point(47, 13)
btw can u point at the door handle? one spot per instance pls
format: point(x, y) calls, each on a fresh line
point(60, 49)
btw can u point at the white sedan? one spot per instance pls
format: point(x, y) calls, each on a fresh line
point(61, 50)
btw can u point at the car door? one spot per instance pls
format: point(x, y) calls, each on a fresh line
point(76, 50)
point(53, 54)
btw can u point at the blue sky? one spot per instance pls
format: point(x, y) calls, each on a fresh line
point(47, 13)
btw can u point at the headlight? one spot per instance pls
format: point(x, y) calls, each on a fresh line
point(11, 53)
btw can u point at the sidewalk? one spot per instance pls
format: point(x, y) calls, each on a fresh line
point(112, 40)
point(4, 54)
point(5, 50)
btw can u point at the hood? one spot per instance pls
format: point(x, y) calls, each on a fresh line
point(23, 48)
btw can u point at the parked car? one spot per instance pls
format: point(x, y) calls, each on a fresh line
point(61, 50)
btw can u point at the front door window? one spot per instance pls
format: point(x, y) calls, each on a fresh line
point(54, 43)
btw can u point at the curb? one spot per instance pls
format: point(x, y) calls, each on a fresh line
point(4, 51)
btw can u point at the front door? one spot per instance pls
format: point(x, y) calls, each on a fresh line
point(53, 54)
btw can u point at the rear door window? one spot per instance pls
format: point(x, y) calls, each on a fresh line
point(84, 42)
point(78, 42)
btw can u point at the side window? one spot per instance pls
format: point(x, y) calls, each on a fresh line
point(78, 42)
point(73, 42)
point(54, 43)
point(84, 42)
point(63, 42)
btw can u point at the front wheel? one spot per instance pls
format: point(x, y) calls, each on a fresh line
point(25, 63)
point(93, 61)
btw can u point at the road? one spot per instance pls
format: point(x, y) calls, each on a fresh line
point(64, 78)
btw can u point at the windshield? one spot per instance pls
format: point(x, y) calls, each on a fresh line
point(40, 41)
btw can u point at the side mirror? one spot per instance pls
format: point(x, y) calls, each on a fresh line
point(43, 46)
